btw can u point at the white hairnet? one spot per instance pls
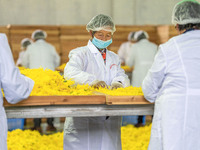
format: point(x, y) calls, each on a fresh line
point(185, 12)
point(101, 22)
point(25, 42)
point(131, 36)
point(139, 33)
point(39, 34)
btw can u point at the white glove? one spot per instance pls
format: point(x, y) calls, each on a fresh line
point(116, 85)
point(97, 84)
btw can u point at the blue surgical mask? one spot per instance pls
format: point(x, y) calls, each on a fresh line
point(101, 44)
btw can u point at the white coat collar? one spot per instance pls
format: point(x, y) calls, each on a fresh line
point(92, 48)
point(40, 40)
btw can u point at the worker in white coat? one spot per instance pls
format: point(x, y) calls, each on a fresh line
point(125, 48)
point(24, 44)
point(16, 87)
point(41, 54)
point(95, 65)
point(173, 83)
point(141, 57)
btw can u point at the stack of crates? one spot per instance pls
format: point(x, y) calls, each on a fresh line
point(15, 124)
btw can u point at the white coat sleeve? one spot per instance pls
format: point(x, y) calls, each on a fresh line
point(19, 60)
point(121, 76)
point(155, 77)
point(130, 61)
point(74, 69)
point(15, 86)
point(57, 58)
point(25, 59)
point(121, 52)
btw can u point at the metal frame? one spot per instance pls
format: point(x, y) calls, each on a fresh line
point(78, 110)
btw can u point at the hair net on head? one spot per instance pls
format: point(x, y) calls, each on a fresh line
point(185, 12)
point(39, 34)
point(101, 22)
point(131, 36)
point(25, 42)
point(139, 33)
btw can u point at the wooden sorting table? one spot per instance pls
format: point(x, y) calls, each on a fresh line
point(79, 106)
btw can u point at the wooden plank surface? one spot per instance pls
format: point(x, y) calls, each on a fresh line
point(80, 100)
point(125, 100)
point(60, 100)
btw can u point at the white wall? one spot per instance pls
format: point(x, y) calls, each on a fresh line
point(76, 12)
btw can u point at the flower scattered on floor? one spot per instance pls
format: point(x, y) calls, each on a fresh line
point(132, 139)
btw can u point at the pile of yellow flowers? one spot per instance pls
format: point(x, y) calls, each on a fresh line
point(32, 140)
point(127, 68)
point(132, 139)
point(121, 91)
point(135, 138)
point(62, 67)
point(48, 82)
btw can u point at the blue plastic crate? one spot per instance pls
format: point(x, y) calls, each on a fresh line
point(132, 120)
point(15, 124)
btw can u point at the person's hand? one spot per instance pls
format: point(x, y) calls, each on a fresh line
point(96, 84)
point(116, 85)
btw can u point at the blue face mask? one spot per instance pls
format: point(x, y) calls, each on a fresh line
point(101, 44)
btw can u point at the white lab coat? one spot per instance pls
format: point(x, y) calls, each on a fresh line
point(124, 51)
point(93, 133)
point(20, 58)
point(141, 57)
point(15, 86)
point(41, 54)
point(173, 83)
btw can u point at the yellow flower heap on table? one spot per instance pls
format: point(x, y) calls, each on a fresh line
point(122, 91)
point(48, 82)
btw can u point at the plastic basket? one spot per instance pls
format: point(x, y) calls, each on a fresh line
point(15, 124)
point(132, 120)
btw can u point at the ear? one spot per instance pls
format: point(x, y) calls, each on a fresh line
point(90, 33)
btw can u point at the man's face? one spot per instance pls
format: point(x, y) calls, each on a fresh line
point(103, 35)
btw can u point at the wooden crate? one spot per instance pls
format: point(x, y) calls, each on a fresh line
point(4, 29)
point(172, 31)
point(59, 100)
point(126, 100)
point(77, 36)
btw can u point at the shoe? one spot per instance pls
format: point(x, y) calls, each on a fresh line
point(139, 125)
point(39, 129)
point(50, 129)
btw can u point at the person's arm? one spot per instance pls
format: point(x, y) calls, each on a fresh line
point(15, 86)
point(75, 69)
point(130, 61)
point(121, 77)
point(155, 77)
point(121, 53)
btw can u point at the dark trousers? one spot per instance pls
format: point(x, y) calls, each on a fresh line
point(37, 122)
point(140, 119)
